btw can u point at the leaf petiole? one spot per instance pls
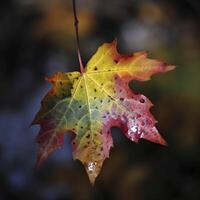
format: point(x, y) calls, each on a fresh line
point(77, 36)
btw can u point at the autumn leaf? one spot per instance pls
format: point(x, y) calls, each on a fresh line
point(90, 103)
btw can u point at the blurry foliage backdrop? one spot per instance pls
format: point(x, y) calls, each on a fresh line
point(37, 39)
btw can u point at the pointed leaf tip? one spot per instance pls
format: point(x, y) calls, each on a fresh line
point(114, 42)
point(170, 67)
point(92, 171)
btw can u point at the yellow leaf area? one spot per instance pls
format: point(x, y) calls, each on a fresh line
point(90, 103)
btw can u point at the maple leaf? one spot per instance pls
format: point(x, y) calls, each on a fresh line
point(89, 104)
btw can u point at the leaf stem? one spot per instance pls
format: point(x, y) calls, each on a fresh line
point(77, 36)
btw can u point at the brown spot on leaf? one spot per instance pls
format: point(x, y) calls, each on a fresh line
point(142, 100)
point(88, 136)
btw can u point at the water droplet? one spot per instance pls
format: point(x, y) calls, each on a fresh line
point(134, 129)
point(91, 166)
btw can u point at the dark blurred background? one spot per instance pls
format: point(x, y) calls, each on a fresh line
point(37, 39)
